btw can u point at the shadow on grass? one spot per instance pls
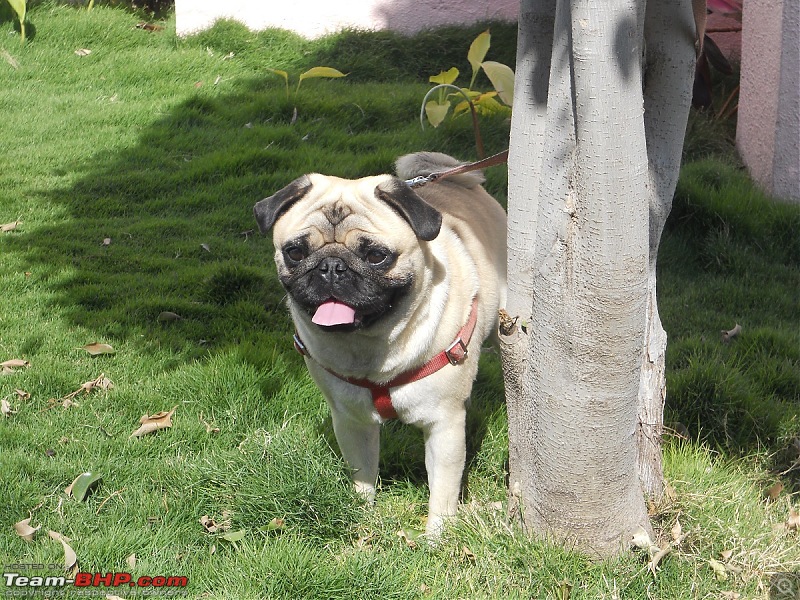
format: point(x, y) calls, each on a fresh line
point(731, 255)
point(165, 227)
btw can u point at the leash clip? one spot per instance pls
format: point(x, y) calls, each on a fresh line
point(418, 181)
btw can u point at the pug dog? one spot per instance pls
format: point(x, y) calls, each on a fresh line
point(392, 291)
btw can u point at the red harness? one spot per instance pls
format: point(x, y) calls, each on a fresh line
point(455, 354)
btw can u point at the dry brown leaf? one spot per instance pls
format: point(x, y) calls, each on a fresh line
point(168, 316)
point(24, 529)
point(364, 541)
point(70, 558)
point(67, 402)
point(727, 336)
point(5, 408)
point(657, 557)
point(409, 536)
point(102, 382)
point(9, 59)
point(97, 348)
point(6, 227)
point(652, 508)
point(670, 493)
point(131, 561)
point(149, 424)
point(211, 526)
point(8, 366)
point(149, 26)
point(23, 395)
point(731, 595)
point(726, 555)
point(793, 522)
point(676, 530)
point(83, 52)
point(209, 428)
point(467, 553)
point(774, 491)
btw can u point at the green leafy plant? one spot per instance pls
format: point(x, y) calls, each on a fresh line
point(314, 72)
point(19, 7)
point(460, 99)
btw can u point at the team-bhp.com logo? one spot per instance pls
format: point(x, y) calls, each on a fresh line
point(93, 580)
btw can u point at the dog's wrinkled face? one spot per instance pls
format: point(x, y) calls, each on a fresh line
point(347, 251)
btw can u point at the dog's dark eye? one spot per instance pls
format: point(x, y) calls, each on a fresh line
point(376, 257)
point(295, 253)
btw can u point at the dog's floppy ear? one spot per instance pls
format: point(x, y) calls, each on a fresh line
point(425, 220)
point(269, 209)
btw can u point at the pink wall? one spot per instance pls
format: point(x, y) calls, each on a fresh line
point(768, 130)
point(314, 18)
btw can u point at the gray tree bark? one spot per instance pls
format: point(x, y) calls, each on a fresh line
point(584, 384)
point(669, 30)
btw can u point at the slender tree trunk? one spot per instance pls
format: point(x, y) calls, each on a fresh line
point(581, 273)
point(669, 31)
point(529, 122)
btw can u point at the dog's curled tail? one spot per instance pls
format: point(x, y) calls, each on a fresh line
point(425, 163)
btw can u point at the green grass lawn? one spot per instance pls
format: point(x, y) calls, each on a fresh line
point(133, 171)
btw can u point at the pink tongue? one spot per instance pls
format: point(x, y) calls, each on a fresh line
point(334, 313)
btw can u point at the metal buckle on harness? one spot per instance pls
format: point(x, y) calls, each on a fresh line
point(456, 353)
point(299, 346)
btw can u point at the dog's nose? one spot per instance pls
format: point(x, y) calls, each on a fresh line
point(332, 268)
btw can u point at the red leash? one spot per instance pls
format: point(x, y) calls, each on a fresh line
point(454, 354)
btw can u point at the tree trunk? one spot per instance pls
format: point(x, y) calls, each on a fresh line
point(582, 271)
point(669, 31)
point(528, 124)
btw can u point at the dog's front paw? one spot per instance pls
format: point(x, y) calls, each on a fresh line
point(435, 527)
point(365, 490)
